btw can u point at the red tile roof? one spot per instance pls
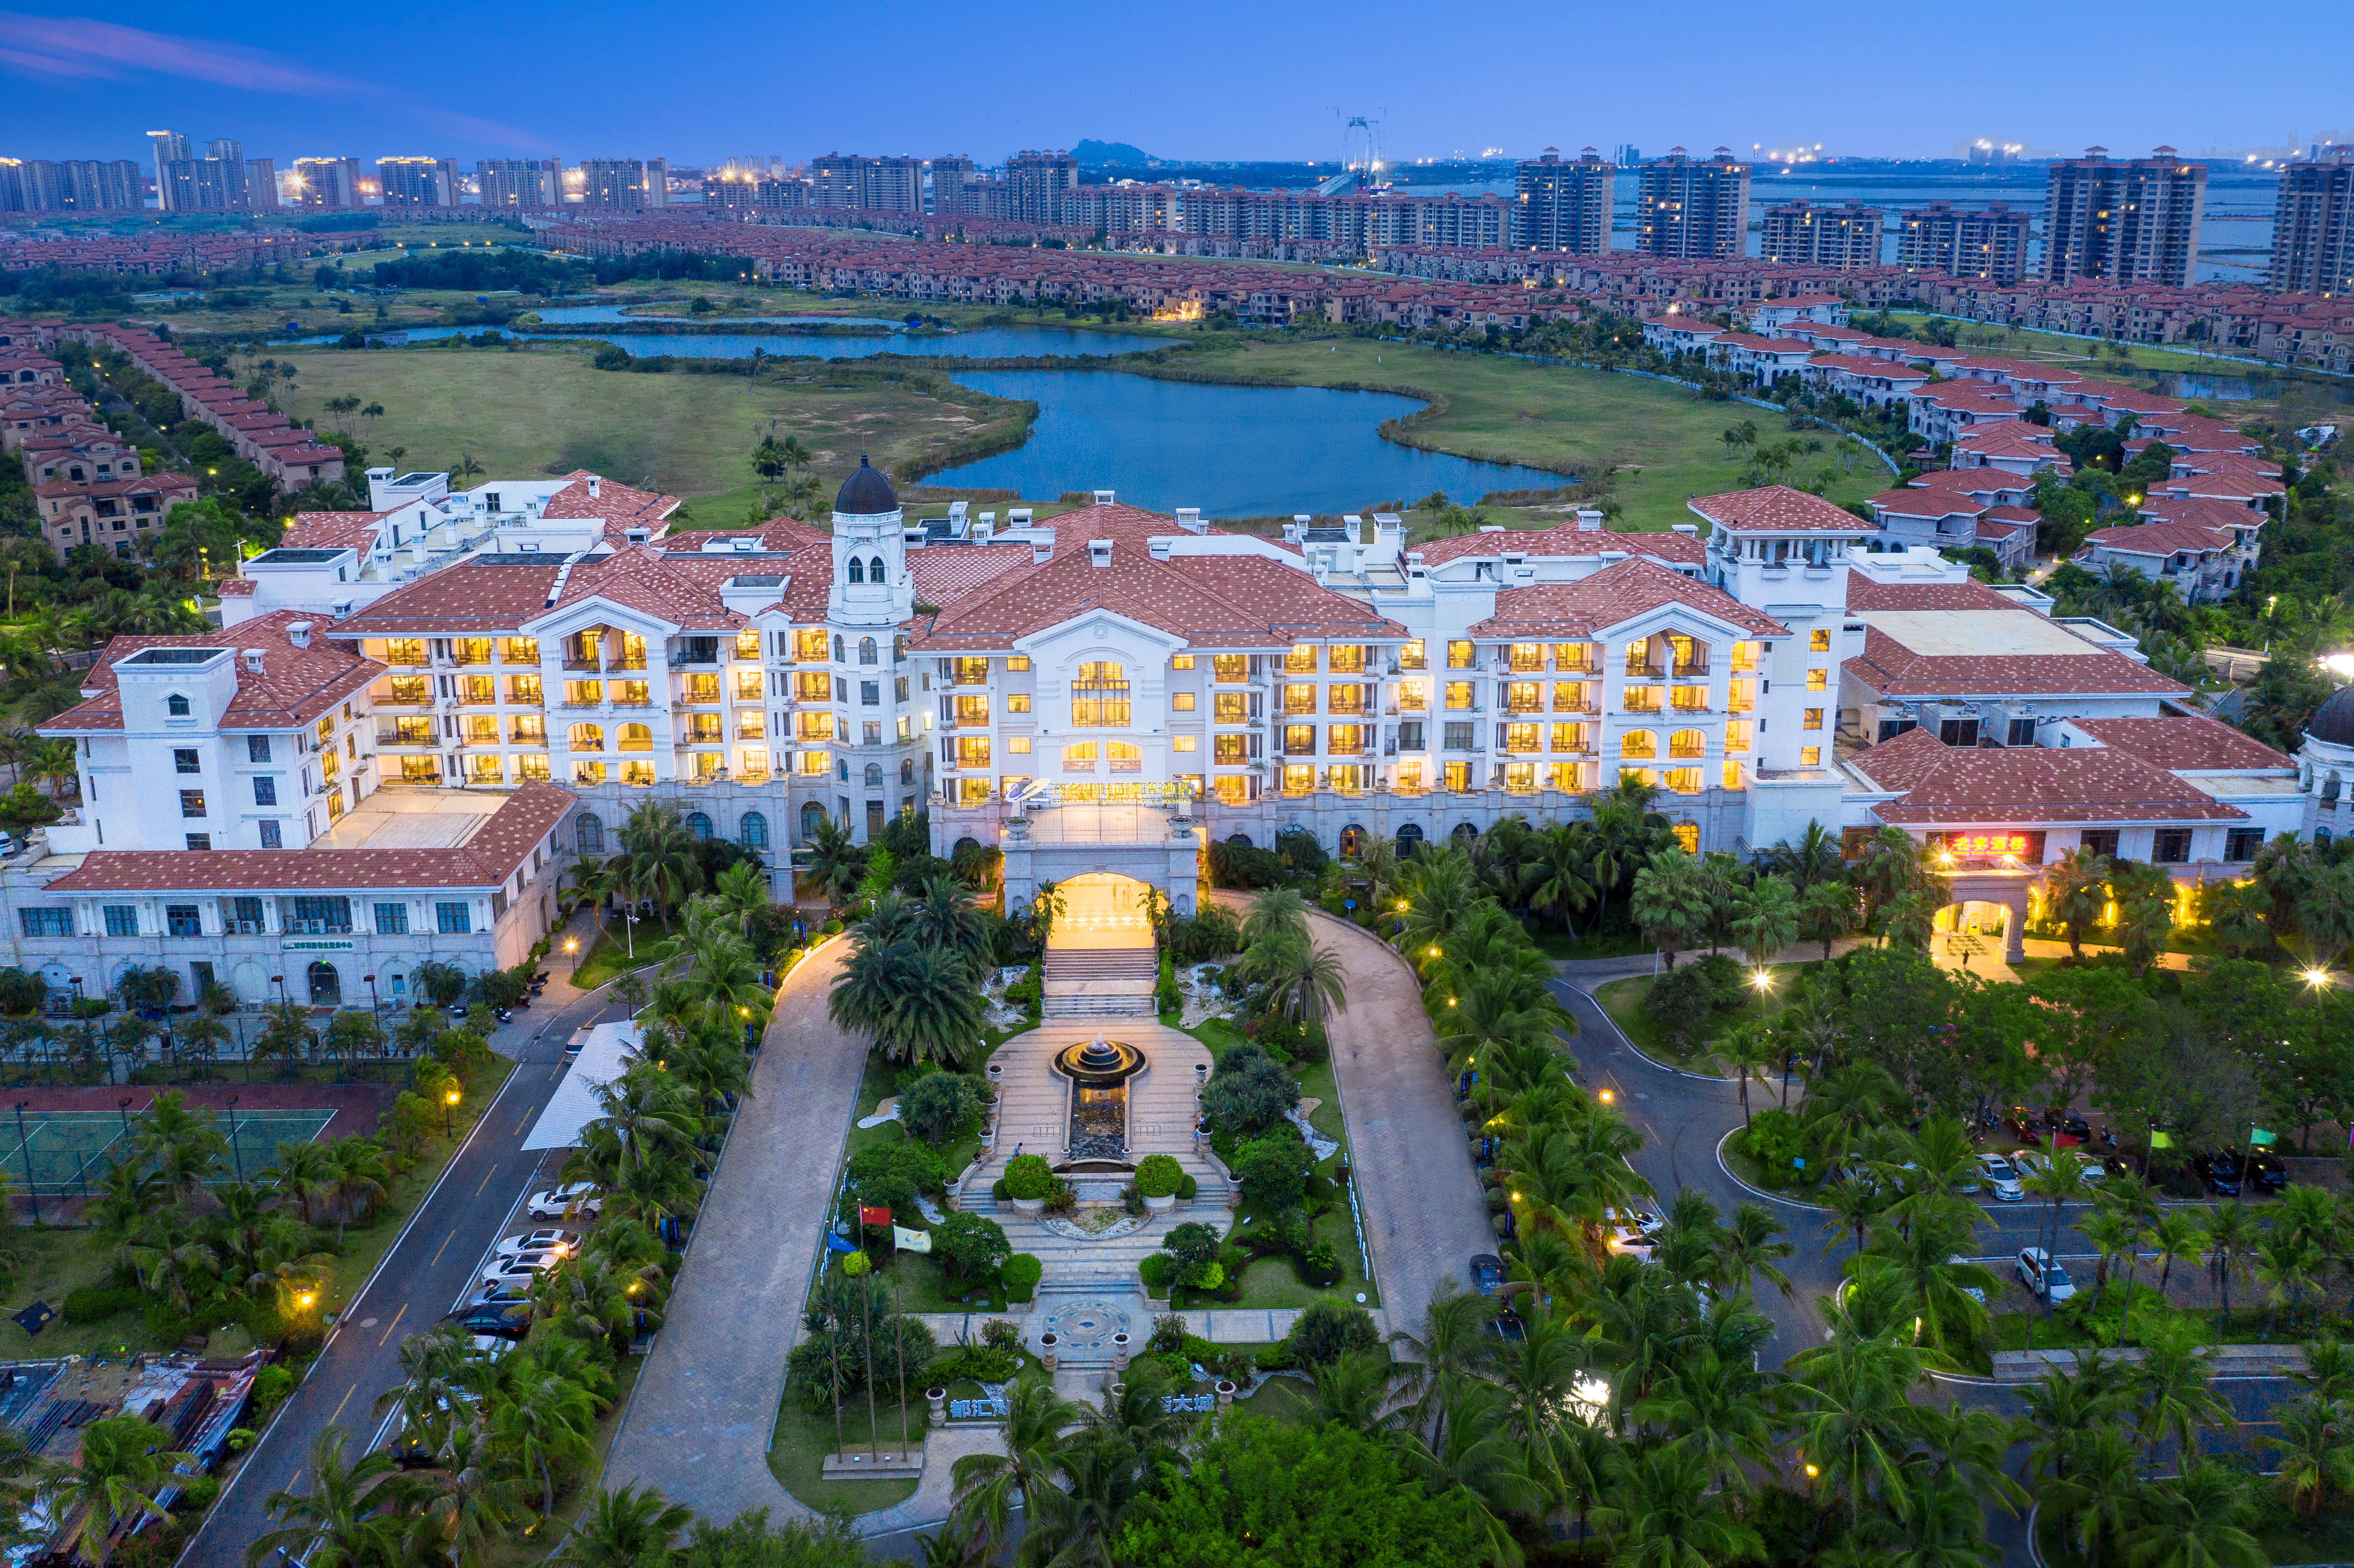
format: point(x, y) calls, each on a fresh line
point(1563, 539)
point(1893, 670)
point(2023, 784)
point(621, 506)
point(1864, 593)
point(1776, 508)
point(2186, 743)
point(1611, 596)
point(296, 685)
point(497, 850)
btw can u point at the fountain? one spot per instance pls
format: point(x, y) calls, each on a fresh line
point(1099, 1070)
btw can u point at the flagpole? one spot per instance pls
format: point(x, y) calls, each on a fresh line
point(899, 1321)
point(866, 1328)
point(841, 1449)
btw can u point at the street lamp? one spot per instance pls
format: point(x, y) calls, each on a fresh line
point(376, 1015)
point(448, 1100)
point(1763, 980)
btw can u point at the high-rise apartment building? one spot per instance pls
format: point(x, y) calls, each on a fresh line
point(520, 182)
point(38, 185)
point(953, 179)
point(1626, 155)
point(332, 183)
point(621, 184)
point(1692, 211)
point(1942, 238)
point(2133, 222)
point(853, 180)
point(226, 150)
point(1562, 207)
point(205, 184)
point(2313, 225)
point(417, 181)
point(1843, 237)
point(261, 184)
point(168, 147)
point(1036, 181)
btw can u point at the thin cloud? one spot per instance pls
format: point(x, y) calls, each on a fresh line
point(81, 49)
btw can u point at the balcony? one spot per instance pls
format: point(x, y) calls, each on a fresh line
point(1636, 670)
point(1696, 671)
point(590, 661)
point(406, 737)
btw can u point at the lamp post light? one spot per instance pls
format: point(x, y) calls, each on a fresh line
point(123, 1105)
point(448, 1100)
point(376, 1015)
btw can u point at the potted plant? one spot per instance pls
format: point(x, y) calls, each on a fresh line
point(1157, 1177)
point(1028, 1179)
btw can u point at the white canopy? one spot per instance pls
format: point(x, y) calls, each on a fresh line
point(574, 1104)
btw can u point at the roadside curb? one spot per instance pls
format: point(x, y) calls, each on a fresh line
point(1726, 1166)
point(1632, 1048)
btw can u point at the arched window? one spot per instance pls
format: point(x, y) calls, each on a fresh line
point(875, 776)
point(752, 832)
point(1079, 756)
point(812, 818)
point(963, 844)
point(1240, 841)
point(857, 570)
point(636, 738)
point(1641, 743)
point(698, 827)
point(1126, 756)
point(1409, 839)
point(1688, 743)
point(590, 833)
point(326, 985)
point(586, 737)
point(837, 648)
point(1099, 696)
point(1353, 842)
point(1466, 830)
point(906, 770)
point(875, 572)
point(866, 655)
point(176, 705)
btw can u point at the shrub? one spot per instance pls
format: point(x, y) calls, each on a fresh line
point(1235, 865)
point(1194, 1248)
point(938, 1106)
point(970, 1244)
point(1681, 1003)
point(1021, 1273)
point(1274, 1170)
point(855, 1264)
point(1156, 1268)
point(1326, 1331)
point(271, 1385)
point(1158, 1176)
point(92, 1302)
point(831, 929)
point(981, 1364)
point(1000, 1333)
point(1320, 1267)
point(1061, 1200)
point(196, 1493)
point(889, 1175)
point(1774, 1139)
point(998, 1190)
point(1028, 1177)
point(1247, 1092)
point(1186, 1187)
point(1276, 1358)
point(1168, 1333)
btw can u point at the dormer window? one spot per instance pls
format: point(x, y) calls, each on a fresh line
point(857, 570)
point(176, 705)
point(874, 570)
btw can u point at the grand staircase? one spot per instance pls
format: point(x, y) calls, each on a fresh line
point(1099, 982)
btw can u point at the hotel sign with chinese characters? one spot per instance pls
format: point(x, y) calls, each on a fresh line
point(1999, 846)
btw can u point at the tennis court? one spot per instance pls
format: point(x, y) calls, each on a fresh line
point(68, 1153)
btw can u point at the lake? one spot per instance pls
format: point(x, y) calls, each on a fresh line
point(566, 315)
point(983, 343)
point(2200, 385)
point(1233, 451)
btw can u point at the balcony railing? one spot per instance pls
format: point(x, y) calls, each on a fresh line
point(1695, 671)
point(1636, 670)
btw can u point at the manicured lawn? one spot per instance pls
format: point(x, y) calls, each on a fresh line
point(796, 1458)
point(1285, 1399)
point(925, 1286)
point(1666, 445)
point(611, 953)
point(547, 410)
point(1560, 946)
point(1623, 1001)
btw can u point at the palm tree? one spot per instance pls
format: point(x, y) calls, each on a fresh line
point(2075, 889)
point(1747, 1050)
point(834, 864)
point(2176, 1396)
point(660, 854)
point(1558, 879)
point(624, 1528)
point(1747, 1248)
point(338, 1522)
point(2199, 1521)
point(1670, 903)
point(2315, 1455)
point(543, 1418)
point(1670, 1515)
point(989, 1485)
point(471, 1505)
point(1454, 1345)
point(1825, 912)
point(304, 1172)
point(357, 1170)
point(2102, 1493)
point(111, 1484)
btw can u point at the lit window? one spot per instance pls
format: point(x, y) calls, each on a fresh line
point(1181, 701)
point(1458, 655)
point(1182, 662)
point(1811, 718)
point(1019, 745)
point(1185, 743)
point(1638, 743)
point(1733, 774)
point(1810, 756)
point(1820, 641)
point(1688, 836)
point(1818, 680)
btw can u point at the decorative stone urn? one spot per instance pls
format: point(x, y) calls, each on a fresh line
point(1119, 1343)
point(937, 1398)
point(1031, 1206)
point(1047, 1349)
point(1161, 1204)
point(1226, 1392)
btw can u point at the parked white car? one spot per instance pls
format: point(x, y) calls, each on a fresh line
point(2000, 1178)
point(548, 1239)
point(2044, 1278)
point(521, 1268)
point(576, 1197)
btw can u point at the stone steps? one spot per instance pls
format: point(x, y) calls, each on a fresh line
point(1101, 964)
point(1136, 1004)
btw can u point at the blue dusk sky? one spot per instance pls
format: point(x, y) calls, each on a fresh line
point(1217, 81)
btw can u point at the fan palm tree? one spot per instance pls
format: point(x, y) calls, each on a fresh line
point(989, 1485)
point(542, 1419)
point(2076, 890)
point(1670, 902)
point(2316, 1451)
point(1670, 1514)
point(832, 864)
point(2200, 1521)
point(624, 1528)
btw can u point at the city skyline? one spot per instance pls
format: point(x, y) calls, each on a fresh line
point(298, 84)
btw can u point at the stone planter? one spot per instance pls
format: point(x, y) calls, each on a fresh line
point(1160, 1205)
point(1032, 1207)
point(1047, 1344)
point(1226, 1392)
point(1119, 1343)
point(937, 1398)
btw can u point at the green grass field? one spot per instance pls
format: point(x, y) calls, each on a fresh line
point(1623, 1001)
point(547, 411)
point(1668, 446)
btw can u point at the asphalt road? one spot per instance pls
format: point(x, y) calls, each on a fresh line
point(431, 1266)
point(1683, 1118)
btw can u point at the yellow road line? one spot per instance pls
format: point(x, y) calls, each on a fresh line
point(389, 1328)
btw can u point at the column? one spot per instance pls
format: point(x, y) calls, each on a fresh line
point(2014, 929)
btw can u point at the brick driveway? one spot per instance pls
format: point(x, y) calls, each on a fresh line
point(700, 1419)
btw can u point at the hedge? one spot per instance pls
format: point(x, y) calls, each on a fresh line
point(1021, 1273)
point(92, 1302)
point(1029, 1177)
point(1160, 1176)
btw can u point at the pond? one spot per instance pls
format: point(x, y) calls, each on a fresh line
point(983, 343)
point(1233, 451)
point(2201, 386)
point(565, 315)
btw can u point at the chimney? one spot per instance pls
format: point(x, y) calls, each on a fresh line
point(1589, 520)
point(638, 536)
point(1189, 519)
point(1103, 498)
point(1099, 552)
point(1355, 526)
point(298, 633)
point(1158, 546)
point(983, 530)
point(1042, 547)
point(1689, 530)
point(253, 660)
point(1018, 517)
point(596, 484)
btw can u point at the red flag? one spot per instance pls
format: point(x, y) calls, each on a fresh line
point(874, 1216)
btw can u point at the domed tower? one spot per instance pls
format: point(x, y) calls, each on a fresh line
point(2325, 763)
point(871, 586)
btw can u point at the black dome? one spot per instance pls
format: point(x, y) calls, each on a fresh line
point(2333, 721)
point(866, 494)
